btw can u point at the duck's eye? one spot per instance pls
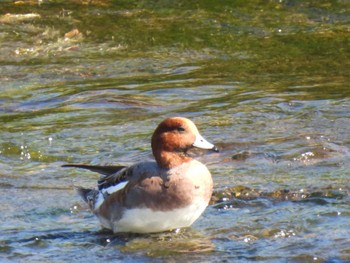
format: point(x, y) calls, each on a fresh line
point(180, 129)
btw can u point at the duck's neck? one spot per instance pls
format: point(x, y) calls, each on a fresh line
point(168, 160)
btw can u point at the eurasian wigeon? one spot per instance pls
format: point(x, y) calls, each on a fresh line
point(149, 197)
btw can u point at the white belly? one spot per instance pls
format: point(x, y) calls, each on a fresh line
point(145, 220)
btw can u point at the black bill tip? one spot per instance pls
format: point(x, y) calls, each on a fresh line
point(215, 149)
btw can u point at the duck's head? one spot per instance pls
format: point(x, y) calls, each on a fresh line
point(173, 138)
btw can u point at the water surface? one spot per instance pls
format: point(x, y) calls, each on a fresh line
point(88, 81)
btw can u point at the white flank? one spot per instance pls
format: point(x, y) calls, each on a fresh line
point(145, 220)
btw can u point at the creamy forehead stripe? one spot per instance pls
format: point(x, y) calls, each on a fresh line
point(200, 142)
point(191, 126)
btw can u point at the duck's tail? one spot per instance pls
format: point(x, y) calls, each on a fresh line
point(84, 193)
point(104, 170)
point(90, 196)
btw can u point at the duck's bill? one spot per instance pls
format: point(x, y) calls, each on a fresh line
point(202, 143)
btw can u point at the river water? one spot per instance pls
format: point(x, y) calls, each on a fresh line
point(266, 81)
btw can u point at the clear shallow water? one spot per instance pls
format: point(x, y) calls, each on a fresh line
point(267, 82)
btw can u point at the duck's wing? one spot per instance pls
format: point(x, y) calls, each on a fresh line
point(114, 182)
point(113, 177)
point(104, 170)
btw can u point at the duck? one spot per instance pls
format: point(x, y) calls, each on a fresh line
point(166, 194)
